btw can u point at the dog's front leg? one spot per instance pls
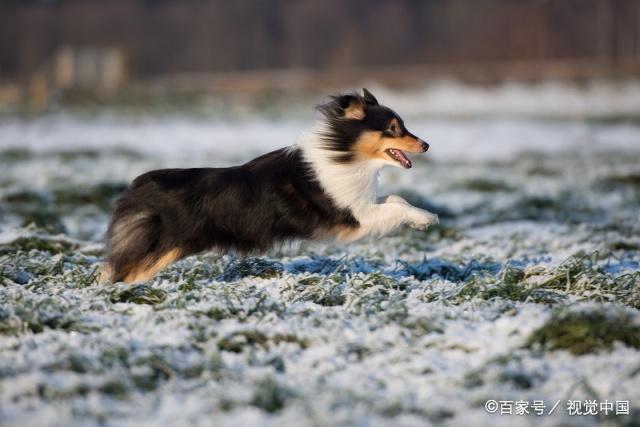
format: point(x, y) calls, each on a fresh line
point(417, 218)
point(379, 219)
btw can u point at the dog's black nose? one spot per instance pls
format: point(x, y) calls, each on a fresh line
point(425, 146)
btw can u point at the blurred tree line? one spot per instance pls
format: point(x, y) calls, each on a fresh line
point(174, 36)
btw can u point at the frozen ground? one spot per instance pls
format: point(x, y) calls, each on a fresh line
point(528, 290)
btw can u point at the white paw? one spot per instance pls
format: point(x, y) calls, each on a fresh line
point(423, 220)
point(395, 199)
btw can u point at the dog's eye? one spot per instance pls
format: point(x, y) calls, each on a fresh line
point(393, 128)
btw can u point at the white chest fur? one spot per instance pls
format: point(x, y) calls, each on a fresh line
point(353, 186)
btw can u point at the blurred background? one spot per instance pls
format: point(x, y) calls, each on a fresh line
point(220, 56)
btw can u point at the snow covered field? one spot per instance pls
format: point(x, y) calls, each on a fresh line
point(528, 290)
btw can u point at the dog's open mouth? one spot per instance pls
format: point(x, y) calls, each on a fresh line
point(399, 157)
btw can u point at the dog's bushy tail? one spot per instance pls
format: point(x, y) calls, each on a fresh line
point(132, 239)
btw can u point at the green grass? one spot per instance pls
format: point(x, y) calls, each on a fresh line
point(270, 396)
point(630, 180)
point(138, 294)
point(580, 277)
point(484, 185)
point(251, 267)
point(586, 332)
point(15, 154)
point(236, 342)
point(51, 245)
point(101, 195)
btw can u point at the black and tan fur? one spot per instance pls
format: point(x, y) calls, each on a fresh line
point(168, 214)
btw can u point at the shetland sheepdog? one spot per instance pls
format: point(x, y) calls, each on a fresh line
point(324, 187)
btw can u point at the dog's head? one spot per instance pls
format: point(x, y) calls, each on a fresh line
point(359, 129)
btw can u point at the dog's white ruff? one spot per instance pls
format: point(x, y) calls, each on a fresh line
point(355, 186)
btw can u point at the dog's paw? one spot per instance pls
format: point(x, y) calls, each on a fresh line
point(395, 199)
point(423, 220)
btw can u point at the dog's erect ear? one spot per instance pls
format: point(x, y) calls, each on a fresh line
point(352, 107)
point(368, 97)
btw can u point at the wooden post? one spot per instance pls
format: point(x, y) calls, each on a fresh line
point(37, 93)
point(63, 68)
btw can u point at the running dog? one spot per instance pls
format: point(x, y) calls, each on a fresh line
point(324, 187)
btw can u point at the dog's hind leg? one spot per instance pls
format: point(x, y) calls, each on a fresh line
point(151, 265)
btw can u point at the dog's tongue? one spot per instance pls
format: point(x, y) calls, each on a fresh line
point(399, 155)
